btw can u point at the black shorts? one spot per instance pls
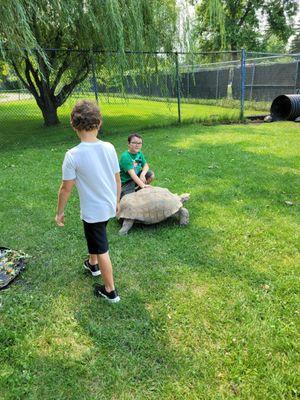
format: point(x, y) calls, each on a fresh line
point(95, 234)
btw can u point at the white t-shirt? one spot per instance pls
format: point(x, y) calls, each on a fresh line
point(93, 165)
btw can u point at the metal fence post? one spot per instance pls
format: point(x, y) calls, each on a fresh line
point(297, 80)
point(217, 85)
point(95, 81)
point(252, 80)
point(243, 83)
point(178, 87)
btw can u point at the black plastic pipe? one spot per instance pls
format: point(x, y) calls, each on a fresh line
point(286, 107)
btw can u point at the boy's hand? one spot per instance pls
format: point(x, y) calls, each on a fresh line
point(59, 219)
point(118, 208)
point(143, 177)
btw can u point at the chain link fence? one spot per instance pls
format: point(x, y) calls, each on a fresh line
point(266, 76)
point(152, 89)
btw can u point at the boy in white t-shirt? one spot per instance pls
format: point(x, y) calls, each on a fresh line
point(94, 168)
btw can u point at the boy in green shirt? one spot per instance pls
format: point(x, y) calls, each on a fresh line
point(135, 172)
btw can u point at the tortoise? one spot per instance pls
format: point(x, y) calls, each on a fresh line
point(150, 206)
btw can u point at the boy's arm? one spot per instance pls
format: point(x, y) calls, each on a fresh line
point(63, 196)
point(118, 182)
point(145, 168)
point(136, 179)
point(144, 171)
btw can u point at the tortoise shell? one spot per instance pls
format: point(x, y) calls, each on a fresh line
point(150, 205)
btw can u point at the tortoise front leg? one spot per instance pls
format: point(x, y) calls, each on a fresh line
point(127, 224)
point(184, 216)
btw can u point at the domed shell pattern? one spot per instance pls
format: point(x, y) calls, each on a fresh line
point(150, 205)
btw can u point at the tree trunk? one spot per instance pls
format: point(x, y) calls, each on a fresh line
point(50, 116)
point(43, 89)
point(48, 105)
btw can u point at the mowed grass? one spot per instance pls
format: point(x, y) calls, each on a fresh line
point(208, 311)
point(133, 114)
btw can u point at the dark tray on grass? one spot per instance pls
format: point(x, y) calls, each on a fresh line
point(11, 264)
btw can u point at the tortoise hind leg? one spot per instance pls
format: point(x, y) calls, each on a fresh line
point(183, 216)
point(127, 224)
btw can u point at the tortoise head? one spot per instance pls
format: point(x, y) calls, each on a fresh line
point(184, 197)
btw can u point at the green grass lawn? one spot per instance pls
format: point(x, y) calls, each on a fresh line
point(133, 114)
point(208, 311)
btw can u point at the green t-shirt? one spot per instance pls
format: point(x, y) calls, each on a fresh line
point(131, 161)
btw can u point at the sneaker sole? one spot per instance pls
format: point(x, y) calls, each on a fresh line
point(115, 300)
point(96, 273)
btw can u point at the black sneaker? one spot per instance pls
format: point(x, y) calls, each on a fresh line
point(112, 296)
point(94, 269)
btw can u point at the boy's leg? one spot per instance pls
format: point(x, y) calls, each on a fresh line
point(128, 187)
point(149, 176)
point(106, 271)
point(95, 234)
point(93, 259)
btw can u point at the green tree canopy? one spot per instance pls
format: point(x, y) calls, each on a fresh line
point(295, 44)
point(30, 27)
point(242, 25)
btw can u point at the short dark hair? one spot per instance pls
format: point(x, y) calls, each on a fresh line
point(134, 135)
point(85, 116)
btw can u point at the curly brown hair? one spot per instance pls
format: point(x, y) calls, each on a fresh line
point(85, 116)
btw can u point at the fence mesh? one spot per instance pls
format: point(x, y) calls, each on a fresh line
point(154, 89)
point(267, 76)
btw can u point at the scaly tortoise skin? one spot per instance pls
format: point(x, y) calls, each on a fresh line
point(150, 206)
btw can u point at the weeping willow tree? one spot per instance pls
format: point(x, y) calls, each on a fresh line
point(30, 30)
